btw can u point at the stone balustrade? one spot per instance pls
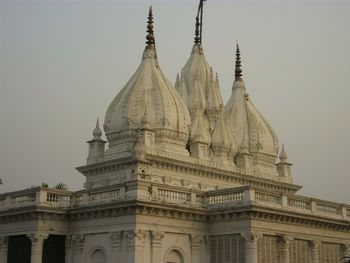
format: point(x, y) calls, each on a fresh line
point(173, 196)
point(235, 197)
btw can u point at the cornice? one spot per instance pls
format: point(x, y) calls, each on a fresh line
point(253, 212)
point(235, 175)
point(33, 213)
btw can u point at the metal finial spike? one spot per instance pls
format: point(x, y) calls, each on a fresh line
point(196, 37)
point(238, 70)
point(150, 34)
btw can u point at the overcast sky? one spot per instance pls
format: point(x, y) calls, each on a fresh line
point(62, 62)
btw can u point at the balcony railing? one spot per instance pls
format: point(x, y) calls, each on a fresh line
point(223, 198)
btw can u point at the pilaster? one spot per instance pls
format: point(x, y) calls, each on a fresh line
point(251, 246)
point(78, 246)
point(37, 247)
point(315, 251)
point(136, 246)
point(156, 246)
point(195, 248)
point(116, 243)
point(68, 249)
point(284, 242)
point(3, 248)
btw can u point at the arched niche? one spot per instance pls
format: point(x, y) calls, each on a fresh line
point(174, 256)
point(98, 256)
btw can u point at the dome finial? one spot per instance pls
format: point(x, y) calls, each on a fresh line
point(97, 133)
point(150, 36)
point(238, 70)
point(199, 24)
point(283, 155)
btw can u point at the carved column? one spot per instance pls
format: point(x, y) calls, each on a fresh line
point(77, 247)
point(3, 248)
point(315, 251)
point(251, 246)
point(37, 247)
point(195, 247)
point(116, 241)
point(284, 242)
point(156, 239)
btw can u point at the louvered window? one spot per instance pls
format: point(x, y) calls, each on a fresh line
point(267, 249)
point(299, 251)
point(227, 249)
point(330, 253)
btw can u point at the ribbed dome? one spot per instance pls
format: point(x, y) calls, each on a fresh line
point(248, 127)
point(196, 70)
point(148, 93)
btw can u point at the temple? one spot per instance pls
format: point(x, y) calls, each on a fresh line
point(182, 177)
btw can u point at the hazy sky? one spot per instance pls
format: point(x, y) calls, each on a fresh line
point(62, 62)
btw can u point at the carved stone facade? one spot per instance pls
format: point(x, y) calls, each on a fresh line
point(184, 179)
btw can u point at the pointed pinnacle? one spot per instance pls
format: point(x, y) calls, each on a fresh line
point(177, 82)
point(150, 36)
point(238, 70)
point(97, 133)
point(283, 155)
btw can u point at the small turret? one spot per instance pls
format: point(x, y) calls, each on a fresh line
point(182, 89)
point(177, 82)
point(96, 145)
point(284, 167)
point(220, 140)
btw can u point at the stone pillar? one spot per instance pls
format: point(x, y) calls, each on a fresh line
point(116, 241)
point(3, 248)
point(251, 246)
point(195, 248)
point(77, 247)
point(37, 247)
point(156, 246)
point(284, 242)
point(315, 251)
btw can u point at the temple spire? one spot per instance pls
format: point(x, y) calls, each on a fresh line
point(238, 70)
point(199, 24)
point(150, 34)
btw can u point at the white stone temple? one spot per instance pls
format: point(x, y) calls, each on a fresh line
point(182, 178)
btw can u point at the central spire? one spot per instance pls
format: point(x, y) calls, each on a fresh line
point(199, 23)
point(150, 36)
